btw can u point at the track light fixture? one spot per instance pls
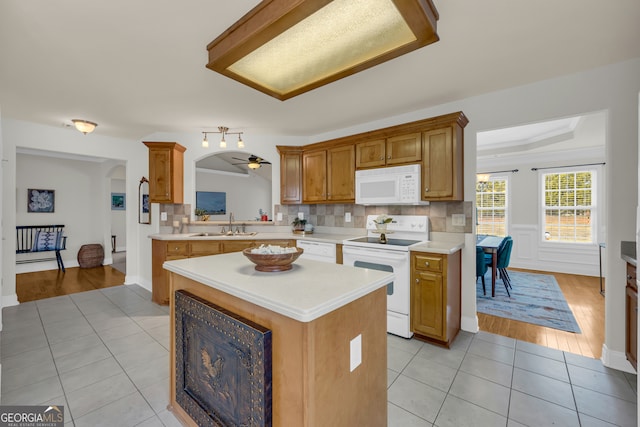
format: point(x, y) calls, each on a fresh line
point(223, 142)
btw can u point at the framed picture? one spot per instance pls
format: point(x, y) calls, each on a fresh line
point(118, 201)
point(213, 202)
point(41, 200)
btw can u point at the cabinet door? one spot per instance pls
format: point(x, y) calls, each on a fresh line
point(166, 170)
point(291, 178)
point(441, 166)
point(404, 149)
point(160, 176)
point(370, 154)
point(426, 304)
point(314, 176)
point(631, 297)
point(341, 174)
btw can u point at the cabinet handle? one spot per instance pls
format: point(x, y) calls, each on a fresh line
point(426, 190)
point(629, 277)
point(426, 263)
point(389, 156)
point(381, 157)
point(417, 280)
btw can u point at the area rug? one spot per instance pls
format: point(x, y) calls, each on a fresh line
point(535, 298)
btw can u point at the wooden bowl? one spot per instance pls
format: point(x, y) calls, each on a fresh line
point(272, 262)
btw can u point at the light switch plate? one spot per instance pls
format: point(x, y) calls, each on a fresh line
point(347, 217)
point(458, 220)
point(301, 215)
point(279, 216)
point(163, 216)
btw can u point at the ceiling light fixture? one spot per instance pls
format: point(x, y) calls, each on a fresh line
point(284, 50)
point(253, 165)
point(223, 142)
point(84, 126)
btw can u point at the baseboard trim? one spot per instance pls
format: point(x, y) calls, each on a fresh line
point(616, 360)
point(469, 324)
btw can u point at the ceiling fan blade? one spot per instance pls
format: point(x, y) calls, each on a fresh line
point(264, 163)
point(239, 164)
point(244, 160)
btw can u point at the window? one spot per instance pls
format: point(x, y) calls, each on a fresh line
point(491, 206)
point(569, 206)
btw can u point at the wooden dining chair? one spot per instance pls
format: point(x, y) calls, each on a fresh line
point(481, 267)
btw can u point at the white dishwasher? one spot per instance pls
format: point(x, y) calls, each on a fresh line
point(317, 251)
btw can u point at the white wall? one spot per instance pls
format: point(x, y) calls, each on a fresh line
point(245, 194)
point(613, 89)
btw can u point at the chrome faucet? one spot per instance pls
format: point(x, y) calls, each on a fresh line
point(230, 222)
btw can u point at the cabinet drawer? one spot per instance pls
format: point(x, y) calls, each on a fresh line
point(178, 249)
point(428, 262)
point(203, 248)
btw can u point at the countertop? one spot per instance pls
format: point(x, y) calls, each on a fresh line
point(444, 246)
point(628, 252)
point(308, 291)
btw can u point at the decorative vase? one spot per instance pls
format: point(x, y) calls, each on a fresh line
point(381, 227)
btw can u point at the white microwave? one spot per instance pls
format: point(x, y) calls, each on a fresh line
point(397, 185)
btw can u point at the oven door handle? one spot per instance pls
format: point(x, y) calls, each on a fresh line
point(377, 252)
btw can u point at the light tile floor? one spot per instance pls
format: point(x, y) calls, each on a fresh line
point(104, 355)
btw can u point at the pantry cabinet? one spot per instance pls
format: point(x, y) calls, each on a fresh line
point(435, 296)
point(166, 172)
point(169, 250)
point(329, 175)
point(392, 151)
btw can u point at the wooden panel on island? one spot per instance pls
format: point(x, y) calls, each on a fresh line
point(310, 358)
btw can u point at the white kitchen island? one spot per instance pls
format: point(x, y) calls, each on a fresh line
point(321, 316)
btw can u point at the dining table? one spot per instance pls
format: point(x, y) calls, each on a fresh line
point(490, 245)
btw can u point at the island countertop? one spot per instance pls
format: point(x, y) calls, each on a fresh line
point(308, 291)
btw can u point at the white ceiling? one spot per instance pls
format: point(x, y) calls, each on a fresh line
point(138, 67)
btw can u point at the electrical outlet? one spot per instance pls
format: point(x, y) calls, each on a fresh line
point(301, 215)
point(356, 352)
point(279, 216)
point(347, 217)
point(163, 216)
point(458, 220)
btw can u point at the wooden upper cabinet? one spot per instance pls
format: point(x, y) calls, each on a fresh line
point(290, 175)
point(341, 174)
point(314, 176)
point(166, 172)
point(404, 149)
point(396, 150)
point(329, 175)
point(371, 154)
point(442, 167)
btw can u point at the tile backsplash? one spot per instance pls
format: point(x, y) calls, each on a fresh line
point(333, 215)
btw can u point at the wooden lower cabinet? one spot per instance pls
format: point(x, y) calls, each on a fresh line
point(169, 250)
point(631, 297)
point(435, 296)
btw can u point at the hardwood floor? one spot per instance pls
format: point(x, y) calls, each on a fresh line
point(51, 283)
point(583, 296)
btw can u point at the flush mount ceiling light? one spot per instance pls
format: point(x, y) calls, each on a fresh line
point(284, 48)
point(223, 143)
point(84, 126)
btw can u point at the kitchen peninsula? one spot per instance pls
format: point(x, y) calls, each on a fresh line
point(327, 326)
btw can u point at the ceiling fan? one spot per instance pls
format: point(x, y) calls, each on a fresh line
point(253, 162)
